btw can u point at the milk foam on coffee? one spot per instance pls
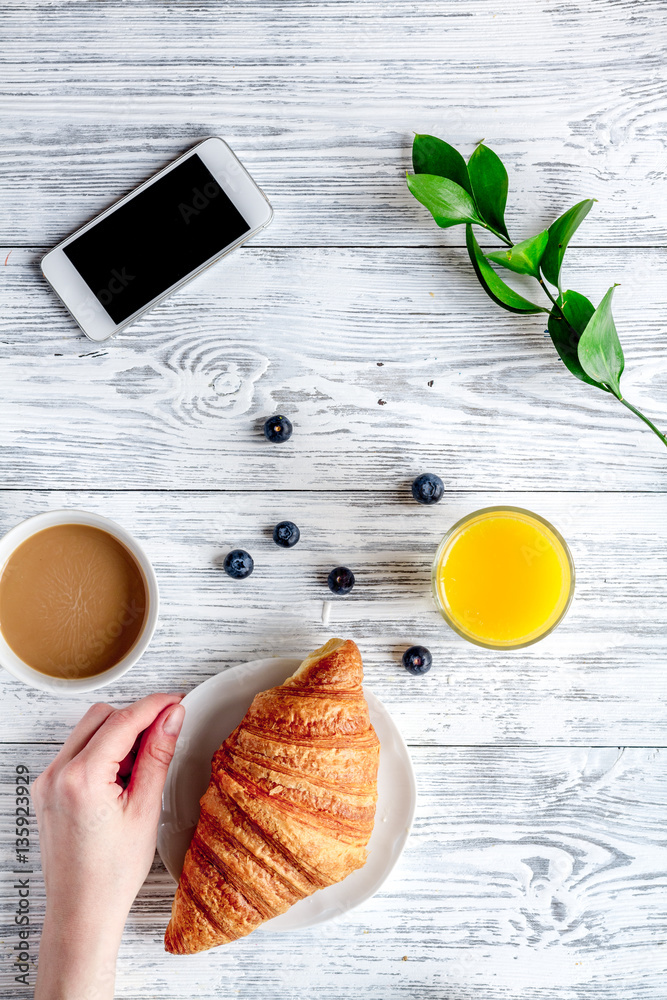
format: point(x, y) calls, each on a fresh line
point(73, 601)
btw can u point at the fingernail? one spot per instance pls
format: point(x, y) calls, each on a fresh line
point(173, 722)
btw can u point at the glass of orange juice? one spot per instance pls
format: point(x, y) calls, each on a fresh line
point(503, 577)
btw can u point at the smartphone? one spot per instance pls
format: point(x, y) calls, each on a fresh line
point(182, 220)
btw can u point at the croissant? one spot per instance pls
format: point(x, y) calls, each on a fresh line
point(290, 806)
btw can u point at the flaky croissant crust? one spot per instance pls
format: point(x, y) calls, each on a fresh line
point(290, 806)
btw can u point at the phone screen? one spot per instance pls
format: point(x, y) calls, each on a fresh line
point(157, 238)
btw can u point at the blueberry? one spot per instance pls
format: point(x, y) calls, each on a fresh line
point(428, 488)
point(341, 580)
point(238, 564)
point(278, 428)
point(286, 534)
point(417, 660)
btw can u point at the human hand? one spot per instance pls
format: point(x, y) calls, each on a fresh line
point(97, 809)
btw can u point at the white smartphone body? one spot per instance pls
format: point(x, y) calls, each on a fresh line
point(158, 237)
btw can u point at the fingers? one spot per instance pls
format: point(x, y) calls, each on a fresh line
point(95, 717)
point(153, 760)
point(114, 739)
point(127, 763)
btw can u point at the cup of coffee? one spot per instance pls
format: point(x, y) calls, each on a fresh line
point(78, 601)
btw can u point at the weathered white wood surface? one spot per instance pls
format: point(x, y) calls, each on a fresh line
point(321, 99)
point(599, 678)
point(346, 342)
point(536, 869)
point(531, 874)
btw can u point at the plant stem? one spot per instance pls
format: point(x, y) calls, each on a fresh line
point(649, 423)
point(633, 409)
point(500, 236)
point(542, 282)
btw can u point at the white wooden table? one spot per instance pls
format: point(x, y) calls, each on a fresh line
point(537, 869)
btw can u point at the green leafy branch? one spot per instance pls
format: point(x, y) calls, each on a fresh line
point(475, 194)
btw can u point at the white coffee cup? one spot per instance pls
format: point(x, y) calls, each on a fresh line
point(63, 685)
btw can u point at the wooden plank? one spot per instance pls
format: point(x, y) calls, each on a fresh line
point(388, 361)
point(531, 874)
point(321, 101)
point(599, 678)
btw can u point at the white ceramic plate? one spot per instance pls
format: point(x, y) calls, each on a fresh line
point(212, 711)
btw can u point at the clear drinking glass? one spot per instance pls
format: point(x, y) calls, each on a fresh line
point(517, 564)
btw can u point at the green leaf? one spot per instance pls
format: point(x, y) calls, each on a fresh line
point(448, 203)
point(600, 352)
point(560, 234)
point(522, 258)
point(578, 310)
point(494, 286)
point(434, 156)
point(488, 178)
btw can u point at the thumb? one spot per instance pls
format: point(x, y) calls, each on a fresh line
point(154, 757)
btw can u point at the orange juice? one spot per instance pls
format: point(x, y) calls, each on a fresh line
point(503, 577)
